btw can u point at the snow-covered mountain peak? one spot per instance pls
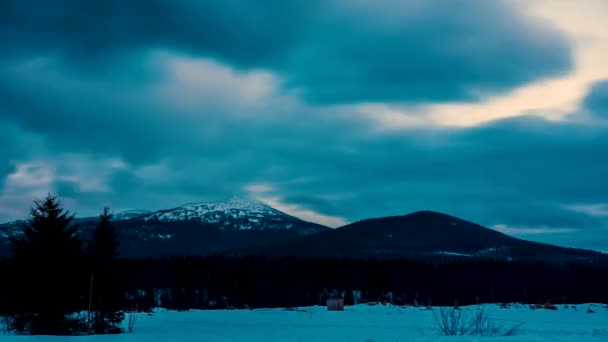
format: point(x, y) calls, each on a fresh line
point(233, 213)
point(232, 204)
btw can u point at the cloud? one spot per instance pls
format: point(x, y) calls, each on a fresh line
point(96, 114)
point(303, 213)
point(16, 145)
point(27, 181)
point(522, 231)
point(554, 98)
point(596, 101)
point(597, 210)
point(327, 51)
point(432, 51)
point(325, 163)
point(177, 104)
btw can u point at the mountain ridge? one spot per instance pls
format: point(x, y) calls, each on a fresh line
point(241, 226)
point(425, 234)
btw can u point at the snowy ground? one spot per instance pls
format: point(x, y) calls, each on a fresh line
point(361, 323)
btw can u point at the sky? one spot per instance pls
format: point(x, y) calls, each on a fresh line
point(330, 110)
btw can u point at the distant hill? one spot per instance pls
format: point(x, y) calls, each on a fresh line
point(427, 235)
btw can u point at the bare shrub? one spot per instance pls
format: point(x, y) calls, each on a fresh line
point(450, 321)
point(309, 311)
point(131, 319)
point(456, 322)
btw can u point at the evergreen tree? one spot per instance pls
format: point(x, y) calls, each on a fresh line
point(104, 246)
point(48, 257)
point(349, 298)
point(106, 296)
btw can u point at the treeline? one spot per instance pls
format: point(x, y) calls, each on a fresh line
point(256, 282)
point(219, 282)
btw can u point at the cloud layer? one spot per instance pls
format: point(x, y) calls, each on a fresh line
point(329, 51)
point(150, 104)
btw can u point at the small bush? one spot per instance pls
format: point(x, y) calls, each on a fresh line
point(131, 322)
point(456, 322)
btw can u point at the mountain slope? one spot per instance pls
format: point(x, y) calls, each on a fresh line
point(427, 235)
point(210, 228)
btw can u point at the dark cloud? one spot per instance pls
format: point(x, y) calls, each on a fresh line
point(68, 189)
point(330, 51)
point(16, 145)
point(596, 100)
point(429, 51)
point(517, 172)
point(124, 182)
point(88, 88)
point(242, 32)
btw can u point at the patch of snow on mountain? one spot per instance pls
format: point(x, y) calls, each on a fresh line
point(11, 230)
point(453, 254)
point(244, 214)
point(130, 214)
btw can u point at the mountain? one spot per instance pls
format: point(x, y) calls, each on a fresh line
point(193, 229)
point(211, 228)
point(247, 227)
point(423, 235)
point(233, 214)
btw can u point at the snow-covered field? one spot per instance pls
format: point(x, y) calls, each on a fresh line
point(362, 323)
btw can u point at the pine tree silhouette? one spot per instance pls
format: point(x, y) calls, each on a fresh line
point(104, 246)
point(48, 257)
point(106, 295)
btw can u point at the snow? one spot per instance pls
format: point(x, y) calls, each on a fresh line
point(363, 323)
point(250, 214)
point(130, 214)
point(453, 254)
point(10, 230)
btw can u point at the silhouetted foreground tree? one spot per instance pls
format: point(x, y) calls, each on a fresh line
point(47, 257)
point(106, 294)
point(50, 281)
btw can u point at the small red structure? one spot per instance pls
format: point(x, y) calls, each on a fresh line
point(335, 304)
